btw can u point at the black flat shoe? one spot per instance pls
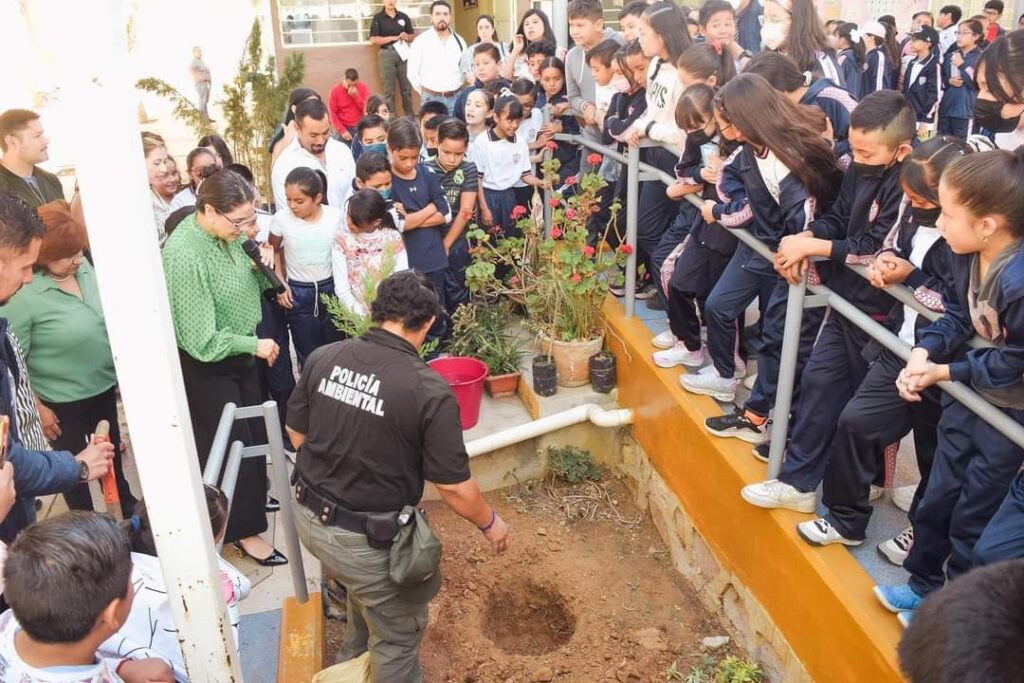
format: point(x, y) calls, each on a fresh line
point(275, 559)
point(273, 505)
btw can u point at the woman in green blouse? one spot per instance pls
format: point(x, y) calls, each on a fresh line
point(58, 320)
point(215, 292)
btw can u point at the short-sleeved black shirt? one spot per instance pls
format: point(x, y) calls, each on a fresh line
point(378, 422)
point(384, 26)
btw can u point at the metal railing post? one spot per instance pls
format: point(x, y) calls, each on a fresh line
point(632, 197)
point(546, 192)
point(282, 487)
point(787, 375)
point(219, 447)
point(230, 481)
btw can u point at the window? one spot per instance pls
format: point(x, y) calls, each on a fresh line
point(338, 22)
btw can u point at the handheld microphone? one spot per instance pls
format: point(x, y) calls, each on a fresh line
point(252, 250)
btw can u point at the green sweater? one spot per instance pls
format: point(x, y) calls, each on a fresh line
point(214, 293)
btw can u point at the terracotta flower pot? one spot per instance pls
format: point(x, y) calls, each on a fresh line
point(572, 359)
point(502, 385)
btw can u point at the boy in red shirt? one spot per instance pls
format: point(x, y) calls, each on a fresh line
point(348, 99)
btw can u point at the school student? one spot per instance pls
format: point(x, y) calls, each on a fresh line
point(487, 71)
point(717, 21)
point(479, 108)
point(530, 130)
point(373, 172)
point(302, 234)
point(436, 111)
point(916, 255)
point(922, 81)
point(959, 90)
point(460, 182)
point(881, 58)
point(555, 103)
point(783, 163)
point(629, 20)
point(536, 53)
point(702, 258)
point(587, 30)
point(850, 44)
point(371, 136)
point(982, 218)
point(852, 231)
point(793, 28)
point(501, 158)
point(426, 210)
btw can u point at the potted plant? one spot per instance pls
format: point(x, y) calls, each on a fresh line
point(554, 272)
point(479, 331)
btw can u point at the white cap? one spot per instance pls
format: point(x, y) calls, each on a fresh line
point(874, 28)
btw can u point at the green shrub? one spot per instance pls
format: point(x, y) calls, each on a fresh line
point(572, 465)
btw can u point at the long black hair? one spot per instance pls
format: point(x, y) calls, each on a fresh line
point(549, 34)
point(218, 143)
point(298, 95)
point(667, 20)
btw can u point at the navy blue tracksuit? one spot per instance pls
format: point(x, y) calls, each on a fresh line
point(877, 416)
point(851, 70)
point(1003, 538)
point(837, 104)
point(957, 106)
point(923, 91)
point(974, 464)
point(857, 225)
point(878, 73)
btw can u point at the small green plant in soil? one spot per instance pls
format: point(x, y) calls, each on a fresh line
point(479, 331)
point(572, 465)
point(731, 669)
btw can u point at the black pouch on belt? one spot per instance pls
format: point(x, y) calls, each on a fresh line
point(381, 529)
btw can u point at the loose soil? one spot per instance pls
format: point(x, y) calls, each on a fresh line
point(587, 592)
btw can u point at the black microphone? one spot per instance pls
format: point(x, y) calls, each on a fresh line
point(252, 250)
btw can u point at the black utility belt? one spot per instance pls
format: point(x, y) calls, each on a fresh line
point(380, 528)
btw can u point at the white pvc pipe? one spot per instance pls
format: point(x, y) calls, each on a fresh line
point(545, 425)
point(104, 136)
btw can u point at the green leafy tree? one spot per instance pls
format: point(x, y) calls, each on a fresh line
point(184, 110)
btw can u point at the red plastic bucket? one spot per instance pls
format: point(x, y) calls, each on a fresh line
point(466, 378)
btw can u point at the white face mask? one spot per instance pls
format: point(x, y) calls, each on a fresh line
point(620, 84)
point(773, 35)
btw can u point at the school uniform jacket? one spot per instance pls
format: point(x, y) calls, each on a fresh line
point(857, 224)
point(711, 235)
point(986, 368)
point(566, 153)
point(924, 91)
point(958, 103)
point(837, 104)
point(623, 110)
point(827, 66)
point(878, 73)
point(851, 71)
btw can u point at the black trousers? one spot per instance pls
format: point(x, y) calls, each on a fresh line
point(78, 421)
point(696, 272)
point(1003, 538)
point(874, 418)
point(208, 387)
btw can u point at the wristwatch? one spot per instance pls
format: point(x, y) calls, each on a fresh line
point(83, 471)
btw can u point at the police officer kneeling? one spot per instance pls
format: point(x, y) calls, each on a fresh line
point(372, 421)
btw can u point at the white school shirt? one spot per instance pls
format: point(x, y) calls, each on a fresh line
point(529, 129)
point(773, 172)
point(186, 197)
point(922, 242)
point(338, 165)
point(306, 245)
point(434, 63)
point(501, 163)
point(15, 670)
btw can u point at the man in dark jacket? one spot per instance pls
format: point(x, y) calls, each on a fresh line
point(24, 145)
point(36, 473)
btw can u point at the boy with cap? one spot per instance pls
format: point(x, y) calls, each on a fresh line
point(922, 79)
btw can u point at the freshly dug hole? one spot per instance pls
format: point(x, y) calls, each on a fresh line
point(522, 617)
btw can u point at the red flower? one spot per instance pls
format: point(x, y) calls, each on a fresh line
point(625, 249)
point(594, 159)
point(518, 212)
point(570, 213)
point(588, 251)
point(576, 278)
point(514, 280)
point(554, 202)
point(570, 181)
point(552, 145)
point(556, 233)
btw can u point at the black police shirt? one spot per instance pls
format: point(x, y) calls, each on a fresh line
point(384, 26)
point(378, 422)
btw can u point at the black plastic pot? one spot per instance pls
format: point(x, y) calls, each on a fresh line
point(544, 376)
point(602, 372)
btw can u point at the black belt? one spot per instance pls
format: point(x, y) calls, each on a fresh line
point(327, 510)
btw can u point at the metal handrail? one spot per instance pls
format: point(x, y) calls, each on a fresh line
point(637, 171)
point(227, 475)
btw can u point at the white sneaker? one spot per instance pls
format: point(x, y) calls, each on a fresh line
point(679, 355)
point(738, 373)
point(896, 549)
point(750, 381)
point(664, 340)
point(821, 532)
point(876, 493)
point(710, 384)
point(903, 496)
point(776, 494)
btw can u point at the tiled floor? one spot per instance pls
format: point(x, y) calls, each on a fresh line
point(887, 521)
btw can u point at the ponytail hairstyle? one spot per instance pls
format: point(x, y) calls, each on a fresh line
point(140, 532)
point(988, 184)
point(921, 170)
point(792, 132)
point(296, 97)
point(806, 37)
point(308, 181)
point(705, 60)
point(851, 35)
point(508, 104)
point(891, 47)
point(404, 134)
point(779, 70)
point(1004, 60)
point(366, 207)
point(695, 106)
point(669, 21)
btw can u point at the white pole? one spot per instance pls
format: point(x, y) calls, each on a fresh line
point(109, 162)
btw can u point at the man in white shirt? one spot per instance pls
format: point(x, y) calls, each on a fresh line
point(314, 148)
point(434, 59)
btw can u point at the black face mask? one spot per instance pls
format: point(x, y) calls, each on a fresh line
point(872, 171)
point(431, 152)
point(699, 137)
point(925, 217)
point(989, 115)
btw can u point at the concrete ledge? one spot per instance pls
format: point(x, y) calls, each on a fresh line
point(806, 613)
point(302, 640)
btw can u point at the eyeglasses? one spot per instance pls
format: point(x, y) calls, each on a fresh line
point(239, 223)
